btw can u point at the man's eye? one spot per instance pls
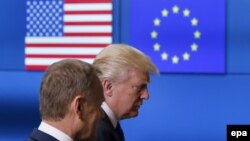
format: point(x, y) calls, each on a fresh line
point(141, 88)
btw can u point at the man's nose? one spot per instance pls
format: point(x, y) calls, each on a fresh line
point(145, 95)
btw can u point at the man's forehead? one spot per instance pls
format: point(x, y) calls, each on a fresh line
point(138, 75)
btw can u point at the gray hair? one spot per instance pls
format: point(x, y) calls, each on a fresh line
point(116, 59)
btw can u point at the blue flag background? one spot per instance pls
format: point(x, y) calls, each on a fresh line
point(188, 107)
point(180, 36)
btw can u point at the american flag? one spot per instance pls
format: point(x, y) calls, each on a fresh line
point(58, 29)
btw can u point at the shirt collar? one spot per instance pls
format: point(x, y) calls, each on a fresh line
point(59, 135)
point(110, 114)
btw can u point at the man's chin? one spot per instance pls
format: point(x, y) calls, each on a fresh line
point(131, 115)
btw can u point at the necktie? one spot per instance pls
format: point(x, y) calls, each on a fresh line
point(120, 132)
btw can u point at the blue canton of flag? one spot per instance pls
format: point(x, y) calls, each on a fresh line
point(180, 36)
point(44, 18)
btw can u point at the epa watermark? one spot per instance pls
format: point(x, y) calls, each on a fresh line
point(238, 132)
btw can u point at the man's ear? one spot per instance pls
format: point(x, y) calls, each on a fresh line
point(79, 106)
point(107, 88)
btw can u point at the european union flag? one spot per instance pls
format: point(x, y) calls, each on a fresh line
point(180, 36)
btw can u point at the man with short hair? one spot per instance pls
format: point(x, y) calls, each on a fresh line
point(124, 77)
point(70, 98)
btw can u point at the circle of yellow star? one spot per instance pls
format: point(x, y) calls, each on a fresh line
point(164, 13)
point(154, 34)
point(157, 22)
point(186, 56)
point(157, 47)
point(194, 22)
point(194, 47)
point(164, 56)
point(175, 59)
point(197, 34)
point(175, 9)
point(186, 13)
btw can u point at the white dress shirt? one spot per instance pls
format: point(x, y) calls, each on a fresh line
point(110, 114)
point(52, 131)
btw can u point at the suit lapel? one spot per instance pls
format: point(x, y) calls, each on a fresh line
point(118, 130)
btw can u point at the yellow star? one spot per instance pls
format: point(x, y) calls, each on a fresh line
point(157, 47)
point(154, 34)
point(185, 56)
point(175, 60)
point(164, 13)
point(175, 9)
point(164, 56)
point(194, 47)
point(194, 22)
point(156, 22)
point(197, 34)
point(186, 13)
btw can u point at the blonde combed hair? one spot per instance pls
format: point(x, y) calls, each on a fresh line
point(116, 59)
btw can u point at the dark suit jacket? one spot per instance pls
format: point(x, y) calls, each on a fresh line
point(38, 135)
point(105, 131)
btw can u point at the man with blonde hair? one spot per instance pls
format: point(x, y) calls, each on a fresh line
point(70, 98)
point(124, 77)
